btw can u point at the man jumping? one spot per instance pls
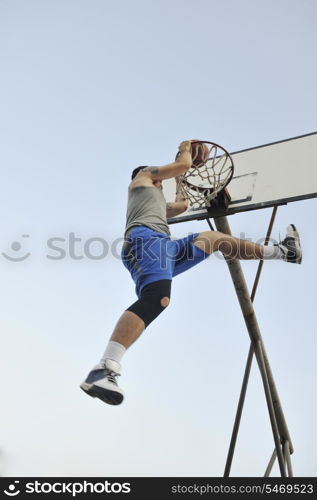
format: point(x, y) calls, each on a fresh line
point(153, 259)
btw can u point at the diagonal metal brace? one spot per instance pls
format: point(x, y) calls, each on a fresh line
point(278, 423)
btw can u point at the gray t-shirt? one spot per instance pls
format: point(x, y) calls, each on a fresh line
point(147, 207)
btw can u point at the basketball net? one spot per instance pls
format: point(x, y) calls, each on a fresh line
point(202, 183)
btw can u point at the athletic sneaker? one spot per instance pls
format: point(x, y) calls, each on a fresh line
point(290, 246)
point(101, 383)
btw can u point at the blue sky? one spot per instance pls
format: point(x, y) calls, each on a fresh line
point(88, 91)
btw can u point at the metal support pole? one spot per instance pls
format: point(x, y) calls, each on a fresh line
point(287, 457)
point(249, 360)
point(239, 411)
point(278, 423)
point(258, 349)
point(271, 463)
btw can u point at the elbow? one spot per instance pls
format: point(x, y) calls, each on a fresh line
point(185, 205)
point(182, 206)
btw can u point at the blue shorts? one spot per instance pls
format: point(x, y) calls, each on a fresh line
point(151, 256)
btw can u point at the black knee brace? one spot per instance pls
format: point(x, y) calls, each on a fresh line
point(149, 306)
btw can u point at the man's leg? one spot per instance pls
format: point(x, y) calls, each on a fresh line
point(288, 250)
point(128, 329)
point(101, 381)
point(213, 241)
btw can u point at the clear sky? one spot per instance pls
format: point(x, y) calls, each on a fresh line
point(89, 90)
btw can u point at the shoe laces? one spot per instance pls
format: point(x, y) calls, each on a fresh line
point(283, 243)
point(111, 375)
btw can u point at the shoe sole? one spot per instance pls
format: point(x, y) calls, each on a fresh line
point(295, 236)
point(109, 397)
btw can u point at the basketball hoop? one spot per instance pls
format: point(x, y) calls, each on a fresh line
point(202, 183)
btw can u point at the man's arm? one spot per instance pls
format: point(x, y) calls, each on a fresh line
point(176, 208)
point(178, 167)
point(179, 206)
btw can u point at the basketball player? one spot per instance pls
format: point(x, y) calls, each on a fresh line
point(153, 259)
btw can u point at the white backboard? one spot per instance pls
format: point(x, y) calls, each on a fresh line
point(264, 176)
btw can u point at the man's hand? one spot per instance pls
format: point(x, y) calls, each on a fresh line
point(185, 147)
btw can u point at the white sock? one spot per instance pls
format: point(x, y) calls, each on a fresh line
point(114, 351)
point(272, 252)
